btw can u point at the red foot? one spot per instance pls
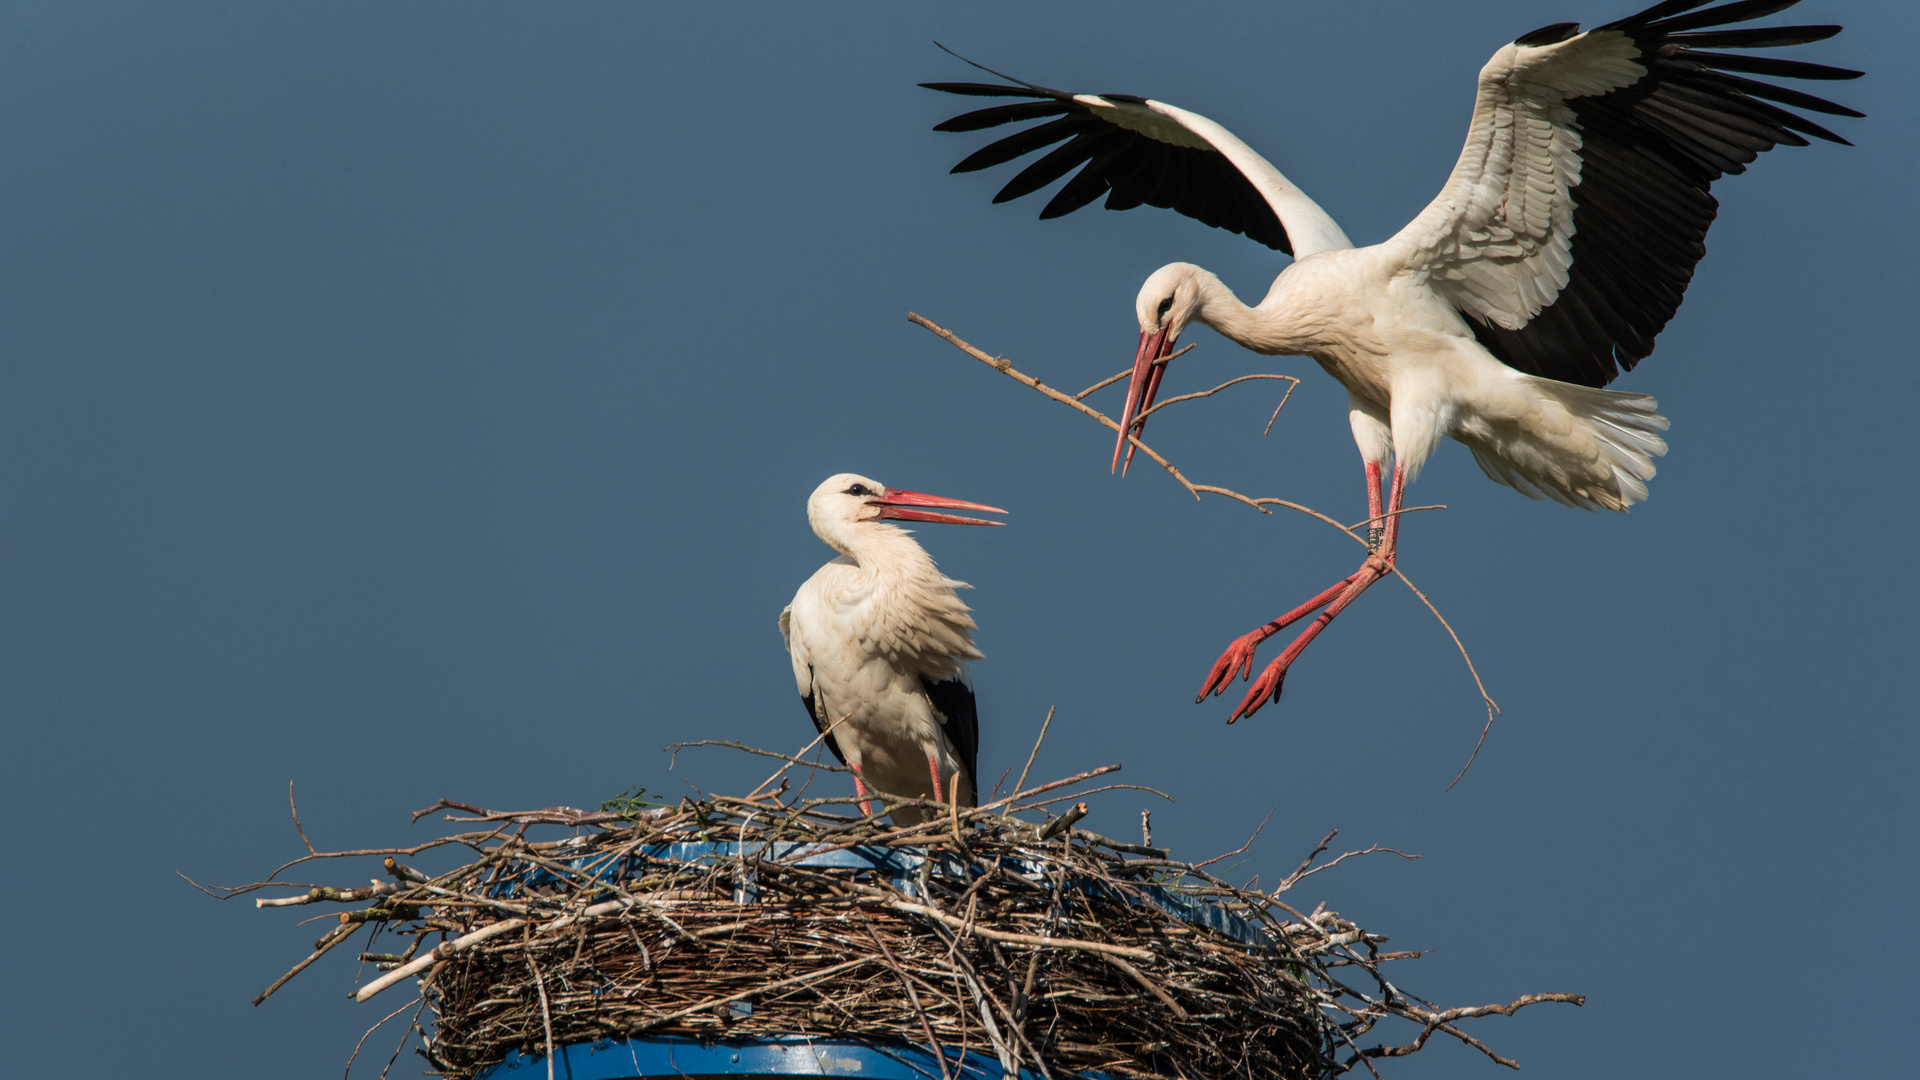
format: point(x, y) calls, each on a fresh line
point(1265, 690)
point(1273, 679)
point(1238, 659)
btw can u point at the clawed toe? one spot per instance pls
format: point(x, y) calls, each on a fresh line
point(1237, 660)
point(1239, 655)
point(1266, 688)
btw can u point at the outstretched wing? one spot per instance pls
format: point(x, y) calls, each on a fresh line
point(1135, 151)
point(1574, 218)
point(952, 698)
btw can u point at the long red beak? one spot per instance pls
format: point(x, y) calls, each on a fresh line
point(1141, 389)
point(893, 505)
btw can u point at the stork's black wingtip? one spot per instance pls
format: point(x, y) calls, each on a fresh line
point(960, 58)
point(998, 74)
point(1549, 35)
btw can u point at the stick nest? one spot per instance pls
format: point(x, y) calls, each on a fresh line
point(1046, 946)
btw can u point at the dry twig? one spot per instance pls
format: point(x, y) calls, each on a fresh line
point(1354, 532)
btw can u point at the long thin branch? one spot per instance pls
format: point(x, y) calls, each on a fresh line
point(824, 732)
point(1035, 752)
point(1005, 367)
point(1209, 393)
point(376, 1027)
point(913, 997)
point(228, 892)
point(552, 815)
point(437, 953)
point(546, 1010)
point(1283, 404)
point(1109, 381)
point(1297, 876)
point(1397, 513)
point(1432, 1021)
point(1493, 707)
point(321, 893)
point(735, 744)
point(294, 809)
point(1306, 864)
point(333, 937)
point(1126, 371)
point(1242, 849)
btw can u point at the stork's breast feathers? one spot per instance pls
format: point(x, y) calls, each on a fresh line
point(928, 629)
point(914, 622)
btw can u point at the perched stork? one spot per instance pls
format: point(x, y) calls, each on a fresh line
point(1559, 247)
point(880, 643)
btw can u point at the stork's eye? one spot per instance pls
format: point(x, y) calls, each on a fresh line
point(858, 490)
point(1165, 305)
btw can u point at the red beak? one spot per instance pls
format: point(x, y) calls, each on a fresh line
point(1141, 389)
point(893, 502)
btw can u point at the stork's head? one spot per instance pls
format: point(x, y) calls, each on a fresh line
point(1169, 300)
point(1167, 303)
point(848, 499)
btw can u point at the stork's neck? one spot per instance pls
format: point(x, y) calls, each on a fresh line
point(1275, 327)
point(877, 547)
point(1233, 320)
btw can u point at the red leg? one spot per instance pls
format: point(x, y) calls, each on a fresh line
point(933, 766)
point(860, 789)
point(1238, 659)
point(1374, 522)
point(1267, 687)
point(1390, 541)
point(1377, 565)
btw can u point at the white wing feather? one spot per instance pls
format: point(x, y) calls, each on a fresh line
point(1496, 242)
point(796, 651)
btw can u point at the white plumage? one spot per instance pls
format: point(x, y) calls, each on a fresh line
point(880, 644)
point(1559, 248)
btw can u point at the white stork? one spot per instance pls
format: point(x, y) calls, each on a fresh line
point(880, 644)
point(1559, 247)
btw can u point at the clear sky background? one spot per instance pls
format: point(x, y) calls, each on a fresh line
point(410, 400)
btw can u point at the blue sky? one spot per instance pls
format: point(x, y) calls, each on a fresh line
point(420, 400)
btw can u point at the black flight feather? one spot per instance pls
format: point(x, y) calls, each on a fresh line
point(952, 701)
point(1651, 152)
point(1129, 168)
point(817, 712)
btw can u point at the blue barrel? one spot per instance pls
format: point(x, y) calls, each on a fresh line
point(675, 1058)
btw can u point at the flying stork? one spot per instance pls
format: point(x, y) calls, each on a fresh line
point(1559, 248)
point(880, 644)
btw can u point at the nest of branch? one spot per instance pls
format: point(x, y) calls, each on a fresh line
point(1042, 945)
